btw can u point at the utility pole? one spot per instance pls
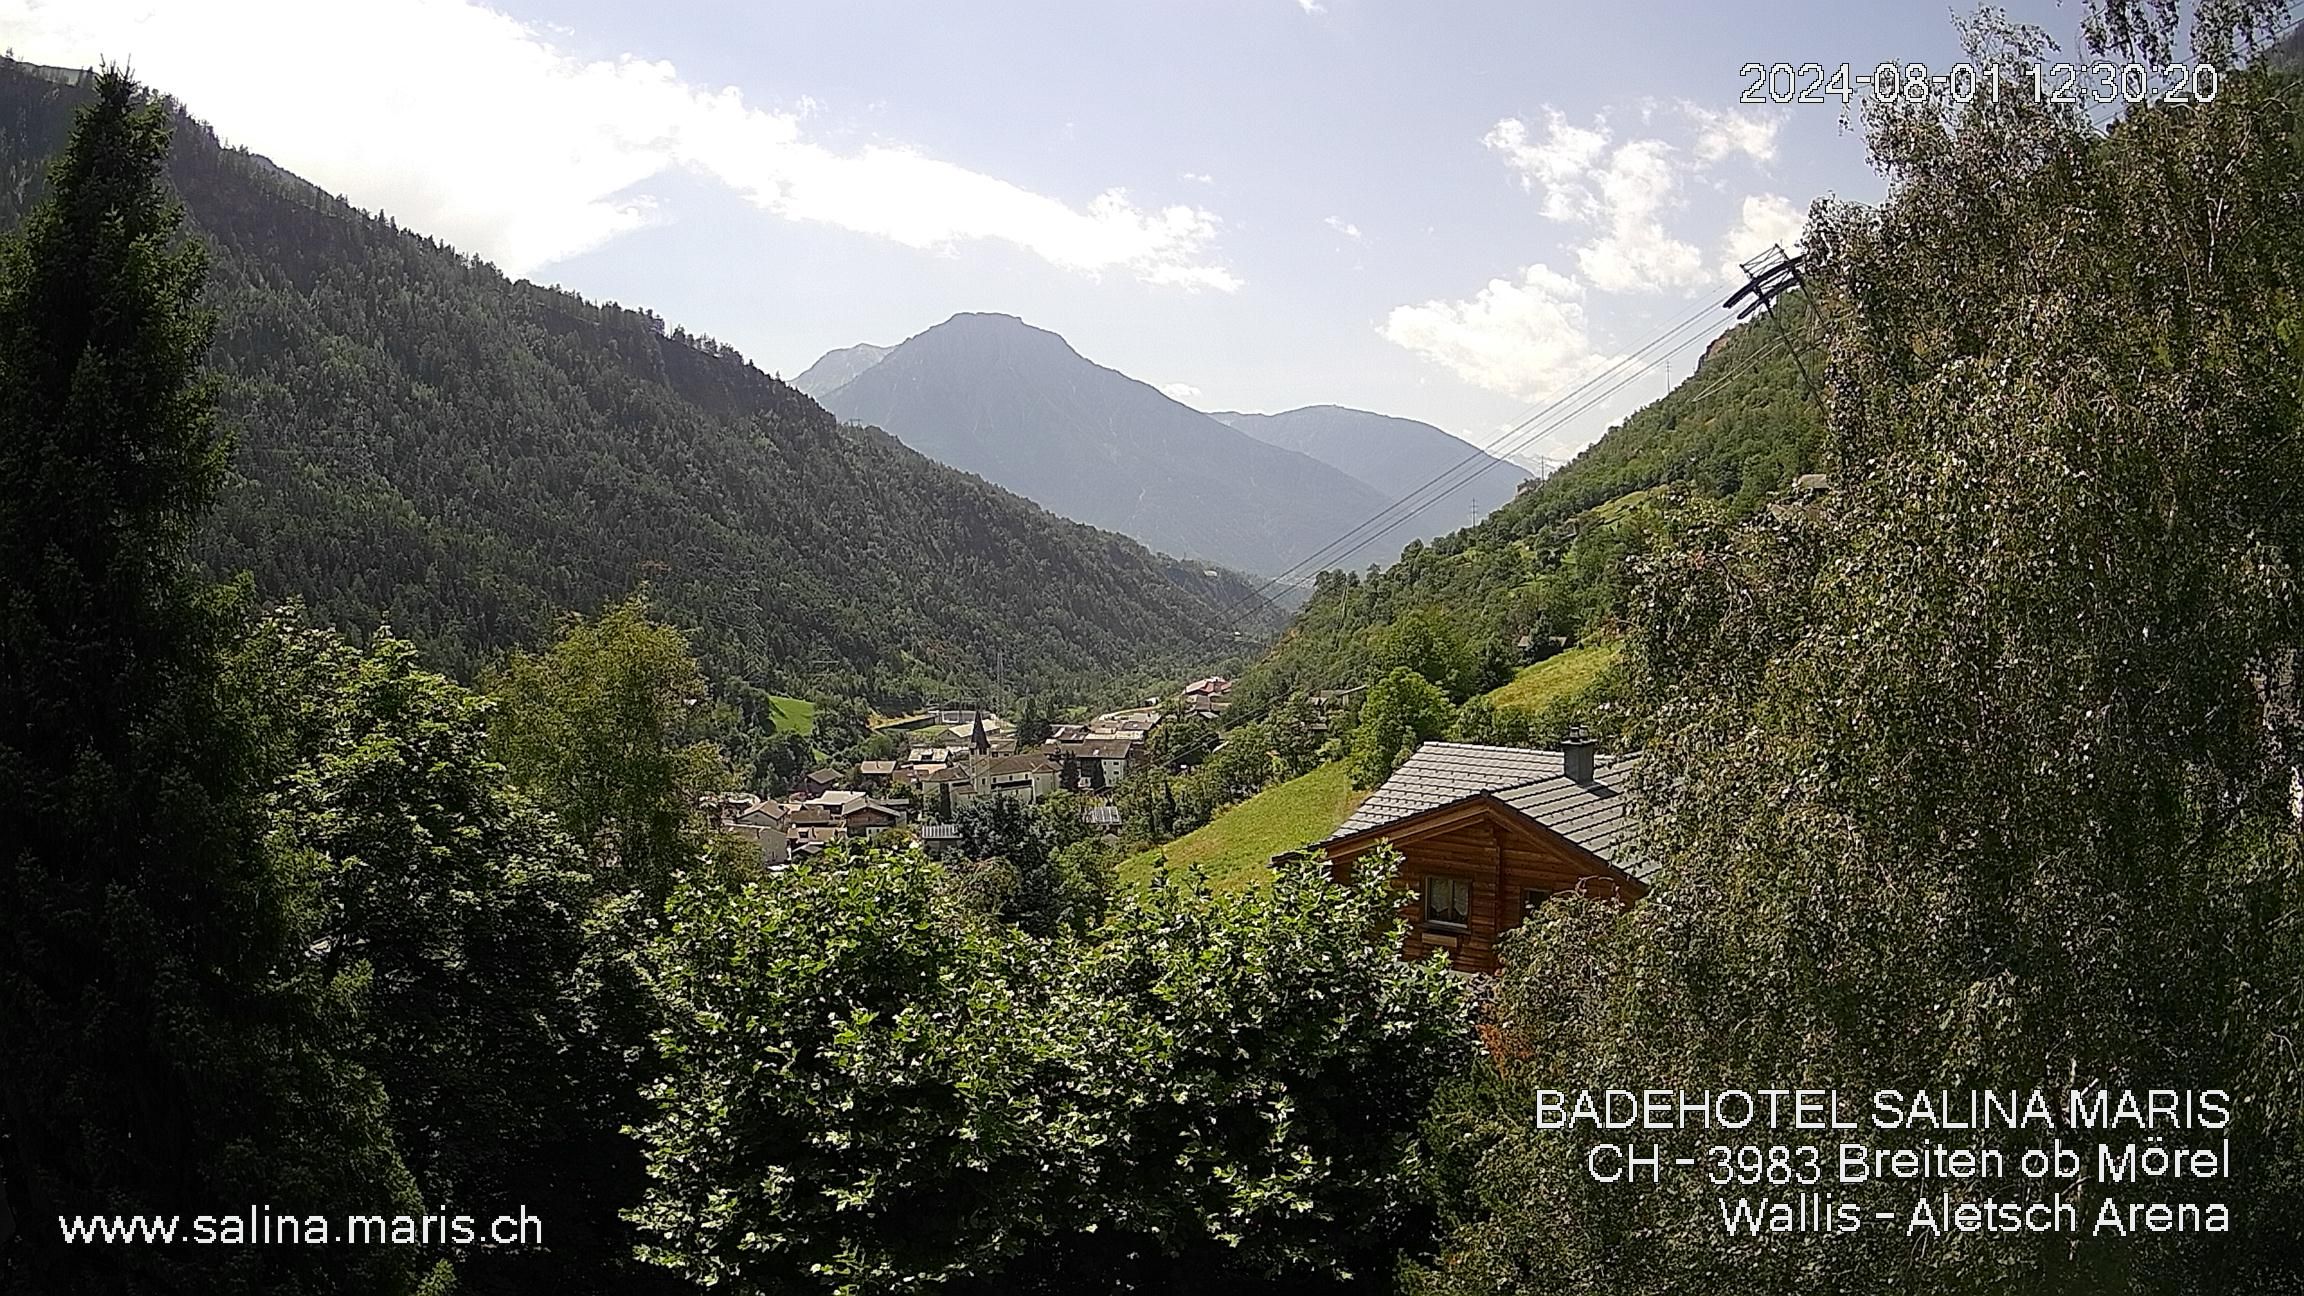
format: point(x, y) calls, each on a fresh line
point(1767, 277)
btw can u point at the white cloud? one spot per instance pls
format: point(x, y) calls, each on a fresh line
point(1185, 392)
point(1198, 177)
point(1528, 336)
point(1621, 191)
point(1555, 166)
point(472, 126)
point(1634, 252)
point(1343, 227)
point(1525, 337)
point(1766, 219)
point(1719, 134)
point(1311, 6)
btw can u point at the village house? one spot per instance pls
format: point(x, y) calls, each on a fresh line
point(867, 818)
point(764, 823)
point(1206, 696)
point(812, 839)
point(1095, 764)
point(942, 787)
point(841, 813)
point(1487, 834)
point(1138, 721)
point(1025, 776)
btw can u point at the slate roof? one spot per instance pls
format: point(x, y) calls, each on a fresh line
point(1595, 815)
point(1441, 772)
point(1029, 762)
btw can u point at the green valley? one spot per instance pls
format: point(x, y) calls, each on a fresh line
point(477, 754)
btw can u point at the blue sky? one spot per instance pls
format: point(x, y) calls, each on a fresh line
point(1451, 210)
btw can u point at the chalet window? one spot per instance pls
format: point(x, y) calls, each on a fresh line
point(1447, 902)
point(1532, 900)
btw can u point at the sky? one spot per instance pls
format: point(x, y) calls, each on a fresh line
point(1458, 211)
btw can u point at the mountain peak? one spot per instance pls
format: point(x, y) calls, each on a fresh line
point(993, 333)
point(1016, 404)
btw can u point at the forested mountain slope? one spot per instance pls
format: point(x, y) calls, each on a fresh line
point(996, 396)
point(1393, 456)
point(1550, 563)
point(425, 442)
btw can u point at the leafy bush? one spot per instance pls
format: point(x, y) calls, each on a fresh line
point(870, 1091)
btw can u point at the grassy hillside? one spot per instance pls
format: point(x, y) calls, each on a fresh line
point(1235, 847)
point(1562, 675)
point(791, 714)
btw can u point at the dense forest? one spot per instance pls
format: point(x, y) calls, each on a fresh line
point(425, 443)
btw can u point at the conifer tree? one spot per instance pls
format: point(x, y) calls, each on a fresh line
point(165, 1046)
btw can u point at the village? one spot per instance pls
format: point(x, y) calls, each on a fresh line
point(1481, 835)
point(955, 757)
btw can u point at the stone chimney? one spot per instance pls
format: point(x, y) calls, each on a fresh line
point(1576, 755)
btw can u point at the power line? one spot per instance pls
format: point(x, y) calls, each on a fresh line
point(1481, 460)
point(1538, 424)
point(1767, 277)
point(1559, 417)
point(1768, 351)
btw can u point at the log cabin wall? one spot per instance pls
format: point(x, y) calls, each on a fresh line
point(1503, 858)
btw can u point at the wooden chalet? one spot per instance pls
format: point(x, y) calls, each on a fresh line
point(1487, 834)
